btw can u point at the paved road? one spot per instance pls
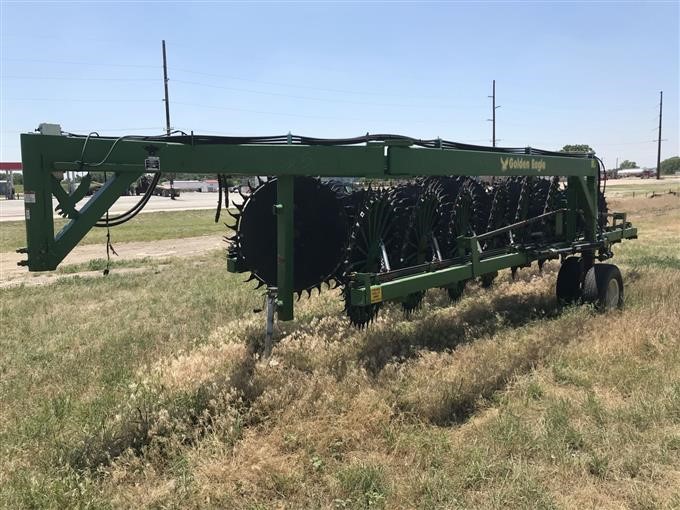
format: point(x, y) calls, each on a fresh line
point(13, 210)
point(11, 274)
point(669, 182)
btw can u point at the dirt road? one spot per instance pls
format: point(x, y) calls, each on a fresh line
point(11, 274)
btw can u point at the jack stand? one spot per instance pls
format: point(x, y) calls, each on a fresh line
point(269, 334)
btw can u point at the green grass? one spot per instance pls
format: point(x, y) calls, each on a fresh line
point(101, 264)
point(142, 390)
point(73, 348)
point(145, 227)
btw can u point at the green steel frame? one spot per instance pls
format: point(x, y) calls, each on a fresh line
point(46, 157)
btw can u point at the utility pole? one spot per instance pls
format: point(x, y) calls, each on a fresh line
point(167, 114)
point(165, 82)
point(493, 113)
point(658, 150)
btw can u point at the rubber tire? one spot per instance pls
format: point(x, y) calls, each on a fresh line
point(568, 288)
point(598, 288)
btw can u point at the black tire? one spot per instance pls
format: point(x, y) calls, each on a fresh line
point(568, 288)
point(603, 286)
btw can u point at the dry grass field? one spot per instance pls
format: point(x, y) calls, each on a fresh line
point(142, 391)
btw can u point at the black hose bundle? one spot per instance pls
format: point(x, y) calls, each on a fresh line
point(289, 139)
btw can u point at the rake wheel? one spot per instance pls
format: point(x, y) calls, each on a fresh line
point(320, 219)
point(372, 236)
point(419, 245)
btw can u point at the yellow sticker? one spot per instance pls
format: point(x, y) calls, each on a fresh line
point(376, 294)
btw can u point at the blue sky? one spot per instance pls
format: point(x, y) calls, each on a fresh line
point(565, 72)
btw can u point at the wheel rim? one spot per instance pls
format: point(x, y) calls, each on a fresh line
point(613, 293)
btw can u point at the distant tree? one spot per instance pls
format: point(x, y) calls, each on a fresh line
point(628, 164)
point(17, 178)
point(577, 148)
point(670, 165)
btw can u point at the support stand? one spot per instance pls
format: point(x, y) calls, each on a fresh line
point(269, 332)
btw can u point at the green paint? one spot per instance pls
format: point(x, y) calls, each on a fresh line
point(44, 155)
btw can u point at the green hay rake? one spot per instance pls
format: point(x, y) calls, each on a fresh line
point(383, 217)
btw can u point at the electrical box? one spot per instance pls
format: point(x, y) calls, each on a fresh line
point(49, 129)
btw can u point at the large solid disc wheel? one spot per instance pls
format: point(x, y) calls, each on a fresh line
point(319, 235)
point(568, 288)
point(603, 286)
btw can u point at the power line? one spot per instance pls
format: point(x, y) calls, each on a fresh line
point(235, 89)
point(80, 100)
point(289, 85)
point(198, 105)
point(73, 78)
point(308, 98)
point(284, 114)
point(214, 75)
point(629, 143)
point(65, 62)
